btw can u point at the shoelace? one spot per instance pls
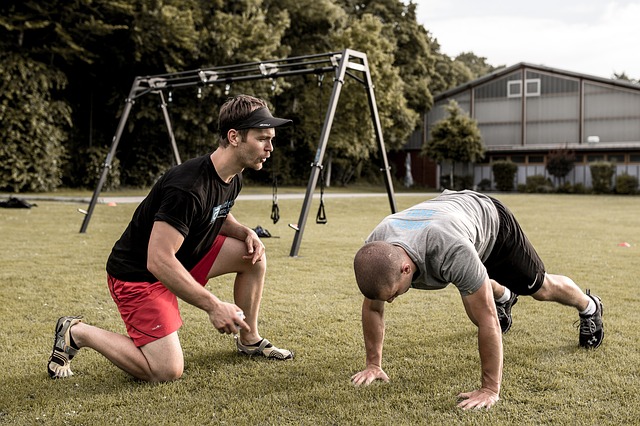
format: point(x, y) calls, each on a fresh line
point(587, 326)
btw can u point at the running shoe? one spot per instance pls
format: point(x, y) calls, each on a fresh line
point(504, 312)
point(591, 327)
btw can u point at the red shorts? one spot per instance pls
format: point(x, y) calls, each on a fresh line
point(149, 310)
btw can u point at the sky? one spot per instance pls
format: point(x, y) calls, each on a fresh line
point(593, 37)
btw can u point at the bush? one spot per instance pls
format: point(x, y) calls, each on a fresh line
point(538, 183)
point(459, 182)
point(84, 169)
point(504, 172)
point(33, 125)
point(579, 188)
point(601, 174)
point(626, 184)
point(484, 185)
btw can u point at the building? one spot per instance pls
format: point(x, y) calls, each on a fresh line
point(525, 111)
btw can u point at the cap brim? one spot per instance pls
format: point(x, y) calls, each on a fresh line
point(261, 118)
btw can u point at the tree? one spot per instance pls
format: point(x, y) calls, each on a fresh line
point(455, 138)
point(478, 65)
point(33, 125)
point(560, 162)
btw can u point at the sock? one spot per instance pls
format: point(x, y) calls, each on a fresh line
point(591, 308)
point(506, 296)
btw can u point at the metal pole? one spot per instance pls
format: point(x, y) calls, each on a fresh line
point(112, 152)
point(167, 120)
point(378, 131)
point(317, 162)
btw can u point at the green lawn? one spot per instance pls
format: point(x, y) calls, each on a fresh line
point(311, 305)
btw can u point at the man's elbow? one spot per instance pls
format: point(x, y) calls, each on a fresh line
point(155, 264)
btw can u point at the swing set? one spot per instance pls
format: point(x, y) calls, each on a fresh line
point(347, 63)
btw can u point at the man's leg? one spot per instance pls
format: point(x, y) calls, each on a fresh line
point(561, 289)
point(247, 292)
point(249, 282)
point(504, 299)
point(158, 361)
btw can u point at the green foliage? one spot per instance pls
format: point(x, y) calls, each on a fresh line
point(478, 65)
point(85, 166)
point(601, 175)
point(33, 125)
point(538, 184)
point(504, 173)
point(101, 45)
point(455, 138)
point(560, 162)
point(626, 184)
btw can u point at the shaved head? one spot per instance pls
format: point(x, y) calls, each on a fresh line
point(377, 265)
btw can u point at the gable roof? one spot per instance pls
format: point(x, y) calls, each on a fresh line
point(528, 66)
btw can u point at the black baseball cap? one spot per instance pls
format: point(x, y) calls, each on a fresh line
point(259, 118)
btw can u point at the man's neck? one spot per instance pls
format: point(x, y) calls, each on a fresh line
point(223, 162)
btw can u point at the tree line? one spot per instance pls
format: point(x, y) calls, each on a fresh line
point(66, 68)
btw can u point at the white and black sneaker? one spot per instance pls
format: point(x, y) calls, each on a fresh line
point(591, 327)
point(263, 348)
point(504, 312)
point(59, 365)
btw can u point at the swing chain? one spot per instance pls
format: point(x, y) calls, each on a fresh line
point(321, 217)
point(275, 210)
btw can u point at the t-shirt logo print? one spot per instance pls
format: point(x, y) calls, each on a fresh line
point(222, 210)
point(413, 220)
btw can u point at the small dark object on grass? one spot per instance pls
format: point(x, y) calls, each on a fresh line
point(16, 203)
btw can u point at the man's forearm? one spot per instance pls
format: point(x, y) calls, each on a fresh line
point(373, 331)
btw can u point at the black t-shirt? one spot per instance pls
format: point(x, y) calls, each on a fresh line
point(190, 197)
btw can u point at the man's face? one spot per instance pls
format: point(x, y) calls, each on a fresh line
point(396, 289)
point(256, 148)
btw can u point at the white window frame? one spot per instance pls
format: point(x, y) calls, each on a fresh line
point(514, 88)
point(537, 82)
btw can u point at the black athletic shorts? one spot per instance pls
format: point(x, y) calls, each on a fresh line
point(513, 262)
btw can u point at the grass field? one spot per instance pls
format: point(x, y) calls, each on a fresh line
point(311, 305)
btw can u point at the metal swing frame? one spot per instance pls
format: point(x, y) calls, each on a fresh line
point(347, 63)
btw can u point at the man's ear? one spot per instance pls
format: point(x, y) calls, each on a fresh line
point(406, 268)
point(233, 137)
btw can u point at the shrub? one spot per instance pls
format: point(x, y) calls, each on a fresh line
point(484, 185)
point(560, 162)
point(504, 172)
point(538, 183)
point(84, 168)
point(601, 174)
point(626, 184)
point(33, 124)
point(459, 182)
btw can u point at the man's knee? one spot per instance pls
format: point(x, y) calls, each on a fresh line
point(167, 373)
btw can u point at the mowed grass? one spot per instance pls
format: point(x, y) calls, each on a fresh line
point(311, 305)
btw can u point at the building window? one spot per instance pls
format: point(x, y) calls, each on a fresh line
point(514, 87)
point(533, 86)
point(518, 159)
point(634, 158)
point(536, 159)
point(616, 158)
point(594, 157)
